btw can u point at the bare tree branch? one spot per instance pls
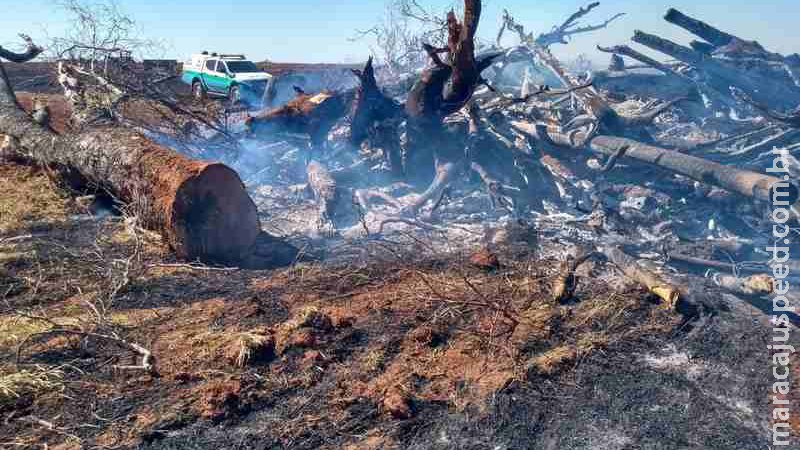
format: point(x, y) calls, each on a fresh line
point(32, 51)
point(559, 34)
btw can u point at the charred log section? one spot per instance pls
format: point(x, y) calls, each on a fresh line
point(312, 115)
point(334, 203)
point(202, 209)
point(744, 182)
point(712, 35)
point(374, 117)
point(370, 105)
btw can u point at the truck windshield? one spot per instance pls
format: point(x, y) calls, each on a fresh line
point(241, 66)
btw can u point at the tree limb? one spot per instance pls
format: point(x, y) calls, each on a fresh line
point(561, 34)
point(147, 356)
point(32, 51)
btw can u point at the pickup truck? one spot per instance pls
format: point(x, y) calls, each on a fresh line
point(229, 76)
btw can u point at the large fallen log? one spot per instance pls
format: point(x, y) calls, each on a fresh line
point(201, 208)
point(718, 42)
point(744, 182)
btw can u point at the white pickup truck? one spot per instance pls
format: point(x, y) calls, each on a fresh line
point(230, 76)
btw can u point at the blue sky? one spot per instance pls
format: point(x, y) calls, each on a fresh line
point(320, 30)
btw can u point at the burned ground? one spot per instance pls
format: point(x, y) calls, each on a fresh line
point(415, 353)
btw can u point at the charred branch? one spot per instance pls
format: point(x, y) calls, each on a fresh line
point(608, 120)
point(562, 33)
point(625, 50)
point(565, 282)
point(147, 359)
point(31, 51)
point(712, 35)
point(758, 86)
point(650, 280)
point(446, 172)
point(559, 34)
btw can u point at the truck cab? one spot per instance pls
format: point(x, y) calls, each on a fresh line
point(230, 76)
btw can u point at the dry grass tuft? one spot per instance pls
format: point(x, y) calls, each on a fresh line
point(374, 360)
point(28, 196)
point(253, 346)
point(553, 360)
point(15, 329)
point(29, 382)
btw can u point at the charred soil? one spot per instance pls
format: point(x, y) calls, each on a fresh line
point(394, 351)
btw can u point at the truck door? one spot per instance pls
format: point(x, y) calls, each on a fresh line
point(211, 78)
point(223, 79)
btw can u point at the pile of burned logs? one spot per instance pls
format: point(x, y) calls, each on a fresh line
point(453, 121)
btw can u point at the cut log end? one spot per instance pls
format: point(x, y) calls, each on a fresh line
point(212, 217)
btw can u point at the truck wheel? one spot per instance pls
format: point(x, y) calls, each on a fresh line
point(235, 95)
point(198, 91)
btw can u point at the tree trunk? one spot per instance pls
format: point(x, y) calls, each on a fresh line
point(201, 208)
point(461, 45)
point(744, 182)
